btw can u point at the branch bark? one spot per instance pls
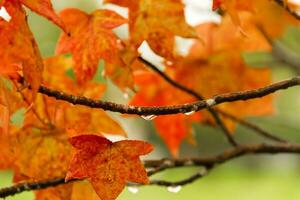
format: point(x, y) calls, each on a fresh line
point(175, 109)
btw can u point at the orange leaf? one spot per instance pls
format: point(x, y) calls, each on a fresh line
point(221, 53)
point(91, 39)
point(15, 38)
point(9, 103)
point(108, 166)
point(41, 154)
point(157, 22)
point(154, 91)
point(44, 8)
point(4, 110)
point(61, 192)
point(173, 129)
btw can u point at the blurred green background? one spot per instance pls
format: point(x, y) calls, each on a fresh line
point(259, 178)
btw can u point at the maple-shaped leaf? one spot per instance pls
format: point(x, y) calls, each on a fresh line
point(157, 22)
point(91, 39)
point(18, 47)
point(108, 166)
point(43, 8)
point(222, 53)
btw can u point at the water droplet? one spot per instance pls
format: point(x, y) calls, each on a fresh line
point(126, 95)
point(190, 113)
point(174, 189)
point(168, 163)
point(133, 189)
point(210, 102)
point(169, 62)
point(148, 117)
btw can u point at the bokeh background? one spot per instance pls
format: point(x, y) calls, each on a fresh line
point(252, 177)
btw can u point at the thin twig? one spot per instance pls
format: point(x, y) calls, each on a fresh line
point(208, 162)
point(183, 182)
point(254, 127)
point(214, 114)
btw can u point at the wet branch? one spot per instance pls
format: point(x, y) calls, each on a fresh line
point(175, 109)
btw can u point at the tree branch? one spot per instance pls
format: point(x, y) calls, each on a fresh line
point(254, 127)
point(22, 187)
point(208, 163)
point(168, 110)
point(183, 182)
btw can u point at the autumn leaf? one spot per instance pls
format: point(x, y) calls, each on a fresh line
point(83, 190)
point(91, 39)
point(267, 17)
point(5, 153)
point(40, 154)
point(154, 91)
point(121, 74)
point(157, 22)
point(43, 8)
point(173, 129)
point(11, 71)
point(108, 166)
point(16, 37)
point(216, 67)
point(4, 109)
point(9, 104)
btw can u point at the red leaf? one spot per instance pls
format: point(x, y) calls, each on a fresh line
point(108, 166)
